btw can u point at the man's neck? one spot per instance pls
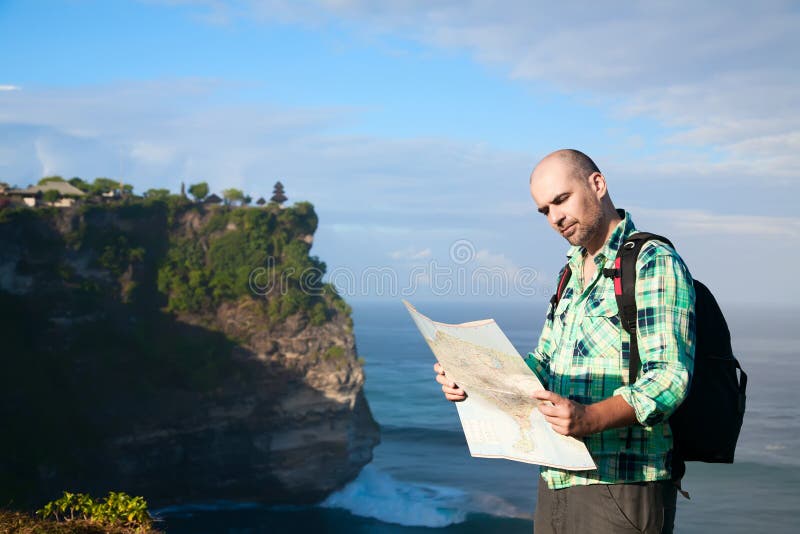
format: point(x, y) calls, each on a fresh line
point(606, 229)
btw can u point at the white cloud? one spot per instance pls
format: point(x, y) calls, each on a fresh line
point(45, 157)
point(703, 224)
point(151, 153)
point(167, 130)
point(10, 88)
point(720, 73)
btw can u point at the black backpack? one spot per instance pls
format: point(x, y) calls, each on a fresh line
point(706, 426)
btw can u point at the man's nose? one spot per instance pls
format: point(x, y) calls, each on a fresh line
point(555, 215)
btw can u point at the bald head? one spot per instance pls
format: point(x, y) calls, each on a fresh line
point(574, 163)
point(571, 192)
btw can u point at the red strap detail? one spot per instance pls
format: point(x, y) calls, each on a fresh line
point(618, 278)
point(562, 282)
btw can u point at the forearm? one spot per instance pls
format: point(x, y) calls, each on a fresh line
point(613, 412)
point(577, 420)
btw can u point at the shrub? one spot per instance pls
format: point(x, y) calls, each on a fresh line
point(318, 314)
point(199, 191)
point(117, 509)
point(334, 353)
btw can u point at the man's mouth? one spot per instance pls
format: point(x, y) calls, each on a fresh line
point(566, 232)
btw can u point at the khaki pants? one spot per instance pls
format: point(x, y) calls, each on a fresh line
point(647, 507)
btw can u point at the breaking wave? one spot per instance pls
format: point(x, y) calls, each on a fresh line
point(380, 496)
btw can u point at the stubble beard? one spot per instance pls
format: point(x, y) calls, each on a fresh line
point(584, 235)
point(588, 230)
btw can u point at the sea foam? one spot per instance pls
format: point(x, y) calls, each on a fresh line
point(378, 495)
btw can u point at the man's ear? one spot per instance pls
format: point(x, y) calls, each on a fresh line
point(597, 182)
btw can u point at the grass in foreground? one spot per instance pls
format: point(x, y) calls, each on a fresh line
point(13, 522)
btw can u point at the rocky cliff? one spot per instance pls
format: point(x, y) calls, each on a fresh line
point(177, 351)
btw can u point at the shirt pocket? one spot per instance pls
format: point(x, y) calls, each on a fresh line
point(560, 314)
point(600, 342)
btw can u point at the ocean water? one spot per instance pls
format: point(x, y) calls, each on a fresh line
point(422, 478)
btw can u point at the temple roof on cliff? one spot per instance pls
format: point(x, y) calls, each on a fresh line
point(64, 189)
point(212, 199)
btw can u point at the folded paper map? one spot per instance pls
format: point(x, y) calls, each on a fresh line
point(499, 417)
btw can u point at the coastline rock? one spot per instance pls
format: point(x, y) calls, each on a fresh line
point(110, 385)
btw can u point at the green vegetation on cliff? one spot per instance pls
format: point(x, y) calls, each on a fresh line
point(246, 252)
point(111, 314)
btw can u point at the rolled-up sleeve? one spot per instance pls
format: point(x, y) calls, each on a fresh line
point(665, 329)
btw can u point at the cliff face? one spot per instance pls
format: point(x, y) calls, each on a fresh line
point(139, 355)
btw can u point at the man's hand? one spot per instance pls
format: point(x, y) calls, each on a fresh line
point(451, 391)
point(574, 419)
point(566, 416)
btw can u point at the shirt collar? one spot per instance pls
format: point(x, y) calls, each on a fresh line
point(624, 229)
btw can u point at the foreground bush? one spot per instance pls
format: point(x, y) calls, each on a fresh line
point(13, 522)
point(117, 513)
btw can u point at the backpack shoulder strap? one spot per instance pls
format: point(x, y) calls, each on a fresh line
point(624, 274)
point(563, 280)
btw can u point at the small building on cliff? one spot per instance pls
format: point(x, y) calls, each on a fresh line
point(33, 196)
point(212, 199)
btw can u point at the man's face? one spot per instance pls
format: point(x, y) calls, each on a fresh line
point(570, 205)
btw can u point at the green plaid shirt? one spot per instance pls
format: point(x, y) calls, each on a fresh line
point(583, 354)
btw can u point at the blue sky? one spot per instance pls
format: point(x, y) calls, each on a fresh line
point(413, 126)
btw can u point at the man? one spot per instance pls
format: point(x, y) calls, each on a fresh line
point(582, 360)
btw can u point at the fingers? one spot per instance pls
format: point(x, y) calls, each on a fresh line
point(552, 411)
point(455, 394)
point(441, 377)
point(443, 380)
point(557, 427)
point(559, 424)
point(557, 416)
point(543, 394)
point(451, 391)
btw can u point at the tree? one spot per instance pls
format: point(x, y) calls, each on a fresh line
point(199, 191)
point(232, 195)
point(80, 184)
point(103, 185)
point(261, 201)
point(48, 179)
point(278, 194)
point(247, 200)
point(51, 195)
point(157, 194)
